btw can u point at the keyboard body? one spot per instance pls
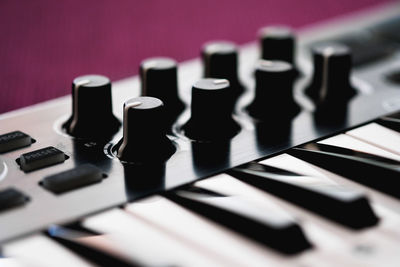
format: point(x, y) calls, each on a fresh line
point(376, 97)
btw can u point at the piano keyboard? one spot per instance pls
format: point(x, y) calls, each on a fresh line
point(230, 178)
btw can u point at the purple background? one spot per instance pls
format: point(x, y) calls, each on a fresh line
point(46, 43)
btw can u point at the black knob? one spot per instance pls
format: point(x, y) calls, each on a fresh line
point(330, 83)
point(211, 113)
point(277, 43)
point(220, 60)
point(144, 132)
point(159, 79)
point(274, 91)
point(92, 115)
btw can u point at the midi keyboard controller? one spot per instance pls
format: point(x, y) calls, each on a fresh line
point(285, 151)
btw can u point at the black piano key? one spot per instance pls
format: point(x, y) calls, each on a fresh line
point(342, 205)
point(274, 231)
point(391, 123)
point(70, 240)
point(94, 255)
point(395, 115)
point(203, 191)
point(355, 154)
point(375, 174)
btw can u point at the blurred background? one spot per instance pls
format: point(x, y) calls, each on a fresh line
point(46, 43)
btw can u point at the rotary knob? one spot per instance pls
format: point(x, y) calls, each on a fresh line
point(277, 43)
point(274, 91)
point(211, 113)
point(144, 132)
point(159, 79)
point(331, 79)
point(220, 60)
point(92, 115)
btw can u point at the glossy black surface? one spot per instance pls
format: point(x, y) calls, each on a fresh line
point(270, 229)
point(354, 154)
point(363, 169)
point(391, 123)
point(346, 206)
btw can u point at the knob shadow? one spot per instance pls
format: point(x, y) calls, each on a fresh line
point(210, 156)
point(143, 179)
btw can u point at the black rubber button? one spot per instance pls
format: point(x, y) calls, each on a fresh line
point(14, 140)
point(10, 198)
point(41, 158)
point(82, 175)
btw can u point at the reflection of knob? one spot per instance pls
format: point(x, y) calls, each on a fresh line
point(277, 43)
point(331, 78)
point(211, 113)
point(159, 79)
point(144, 132)
point(274, 91)
point(220, 61)
point(92, 115)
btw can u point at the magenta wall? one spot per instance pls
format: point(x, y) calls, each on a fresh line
point(45, 43)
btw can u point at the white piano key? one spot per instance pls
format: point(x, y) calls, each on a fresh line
point(10, 262)
point(141, 241)
point(293, 164)
point(379, 136)
point(41, 251)
point(205, 234)
point(347, 141)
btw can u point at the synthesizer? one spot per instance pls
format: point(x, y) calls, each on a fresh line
point(281, 152)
